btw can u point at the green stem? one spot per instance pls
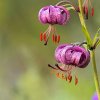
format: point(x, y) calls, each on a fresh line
point(86, 33)
point(89, 41)
point(96, 80)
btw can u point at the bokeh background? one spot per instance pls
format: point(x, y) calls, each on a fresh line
point(24, 74)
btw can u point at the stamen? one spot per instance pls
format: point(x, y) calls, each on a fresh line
point(58, 38)
point(87, 4)
point(84, 9)
point(84, 3)
point(52, 67)
point(69, 68)
point(76, 80)
point(46, 43)
point(60, 68)
point(41, 36)
point(44, 36)
point(90, 3)
point(58, 75)
point(92, 9)
point(92, 12)
point(55, 38)
point(48, 34)
point(86, 12)
point(63, 77)
point(69, 78)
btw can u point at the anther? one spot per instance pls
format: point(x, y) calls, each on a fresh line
point(58, 75)
point(63, 77)
point(84, 9)
point(53, 37)
point(52, 67)
point(76, 80)
point(46, 43)
point(44, 37)
point(86, 12)
point(92, 12)
point(41, 36)
point(69, 78)
point(58, 38)
point(60, 68)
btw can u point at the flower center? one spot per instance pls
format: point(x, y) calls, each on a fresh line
point(86, 5)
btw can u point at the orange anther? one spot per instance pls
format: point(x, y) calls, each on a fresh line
point(86, 12)
point(63, 77)
point(58, 75)
point(84, 9)
point(76, 80)
point(58, 38)
point(92, 12)
point(41, 36)
point(69, 78)
point(44, 37)
point(53, 37)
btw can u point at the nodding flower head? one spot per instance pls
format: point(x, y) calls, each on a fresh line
point(69, 57)
point(95, 97)
point(86, 5)
point(52, 15)
point(72, 55)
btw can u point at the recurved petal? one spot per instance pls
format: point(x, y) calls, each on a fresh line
point(64, 59)
point(58, 56)
point(53, 14)
point(86, 61)
point(61, 46)
point(76, 56)
point(42, 15)
point(58, 52)
point(85, 58)
point(64, 16)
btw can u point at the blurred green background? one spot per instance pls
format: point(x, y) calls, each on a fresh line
point(24, 74)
